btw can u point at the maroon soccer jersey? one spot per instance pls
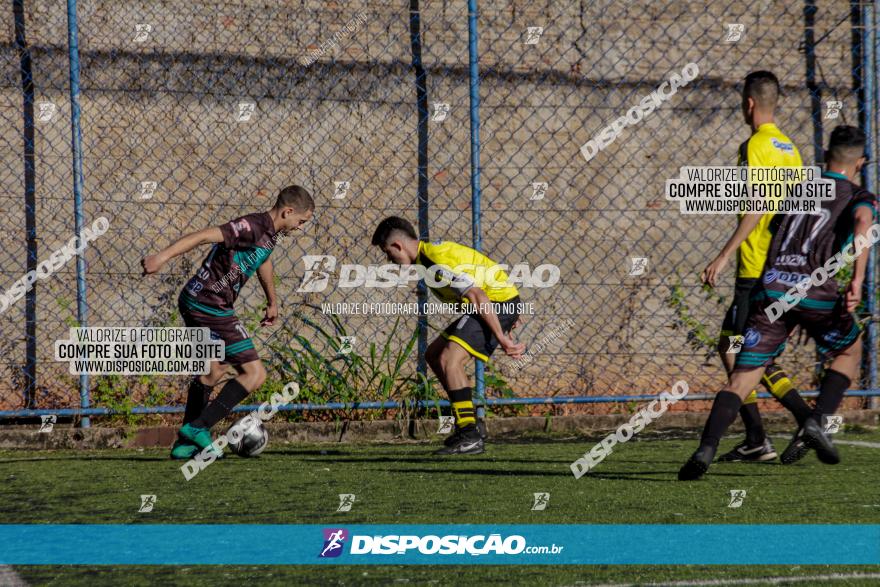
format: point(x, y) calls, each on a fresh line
point(247, 243)
point(803, 243)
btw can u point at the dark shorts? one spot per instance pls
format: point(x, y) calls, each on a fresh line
point(738, 313)
point(833, 330)
point(224, 326)
point(472, 333)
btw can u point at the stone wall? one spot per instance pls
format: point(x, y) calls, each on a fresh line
point(165, 109)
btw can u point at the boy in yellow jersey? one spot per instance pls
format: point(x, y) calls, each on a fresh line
point(458, 274)
point(767, 147)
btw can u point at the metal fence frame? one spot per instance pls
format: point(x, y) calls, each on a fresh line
point(866, 45)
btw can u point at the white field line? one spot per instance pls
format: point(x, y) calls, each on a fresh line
point(863, 443)
point(9, 578)
point(754, 581)
point(857, 443)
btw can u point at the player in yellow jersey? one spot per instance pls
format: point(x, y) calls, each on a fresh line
point(455, 274)
point(767, 147)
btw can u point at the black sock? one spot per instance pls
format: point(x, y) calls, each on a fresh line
point(754, 426)
point(230, 396)
point(723, 413)
point(197, 397)
point(831, 391)
point(795, 404)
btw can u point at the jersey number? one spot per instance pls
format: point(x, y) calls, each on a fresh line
point(824, 217)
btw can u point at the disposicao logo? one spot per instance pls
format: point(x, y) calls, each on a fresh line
point(334, 539)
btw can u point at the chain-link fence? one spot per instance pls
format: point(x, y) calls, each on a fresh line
point(194, 113)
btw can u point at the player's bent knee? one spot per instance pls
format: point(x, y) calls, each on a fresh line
point(432, 354)
point(444, 359)
point(259, 377)
point(742, 383)
point(452, 359)
point(253, 375)
point(213, 376)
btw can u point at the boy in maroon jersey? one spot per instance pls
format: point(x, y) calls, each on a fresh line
point(240, 249)
point(805, 253)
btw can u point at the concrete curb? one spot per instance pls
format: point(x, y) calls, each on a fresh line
point(576, 426)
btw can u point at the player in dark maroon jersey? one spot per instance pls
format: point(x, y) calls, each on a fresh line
point(240, 249)
point(805, 252)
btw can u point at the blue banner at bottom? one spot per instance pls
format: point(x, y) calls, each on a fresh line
point(345, 544)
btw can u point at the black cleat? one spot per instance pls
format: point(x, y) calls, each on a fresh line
point(796, 449)
point(697, 465)
point(815, 438)
point(464, 441)
point(744, 452)
point(481, 428)
point(455, 436)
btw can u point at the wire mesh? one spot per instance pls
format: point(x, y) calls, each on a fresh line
point(195, 113)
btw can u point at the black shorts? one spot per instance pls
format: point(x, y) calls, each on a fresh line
point(833, 330)
point(472, 333)
point(738, 313)
point(224, 326)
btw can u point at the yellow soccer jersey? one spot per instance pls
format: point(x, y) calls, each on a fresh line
point(455, 268)
point(768, 147)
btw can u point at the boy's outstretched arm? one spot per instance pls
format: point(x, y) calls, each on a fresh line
point(267, 280)
point(152, 263)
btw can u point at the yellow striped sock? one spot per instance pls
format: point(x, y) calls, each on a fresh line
point(464, 413)
point(777, 383)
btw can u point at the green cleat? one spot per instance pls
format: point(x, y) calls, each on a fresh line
point(217, 452)
point(200, 437)
point(183, 451)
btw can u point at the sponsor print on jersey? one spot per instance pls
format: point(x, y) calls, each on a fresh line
point(751, 338)
point(785, 277)
point(833, 337)
point(784, 147)
point(194, 286)
point(791, 260)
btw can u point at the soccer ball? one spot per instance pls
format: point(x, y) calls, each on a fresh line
point(247, 437)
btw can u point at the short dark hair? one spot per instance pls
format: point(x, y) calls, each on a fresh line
point(296, 197)
point(763, 88)
point(847, 144)
point(391, 227)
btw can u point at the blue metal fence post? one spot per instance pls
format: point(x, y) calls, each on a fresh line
point(30, 201)
point(76, 150)
point(473, 58)
point(422, 192)
point(871, 44)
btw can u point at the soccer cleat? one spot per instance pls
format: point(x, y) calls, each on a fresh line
point(796, 449)
point(218, 453)
point(456, 435)
point(697, 465)
point(201, 437)
point(481, 428)
point(453, 438)
point(743, 452)
point(182, 451)
point(815, 438)
point(466, 441)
